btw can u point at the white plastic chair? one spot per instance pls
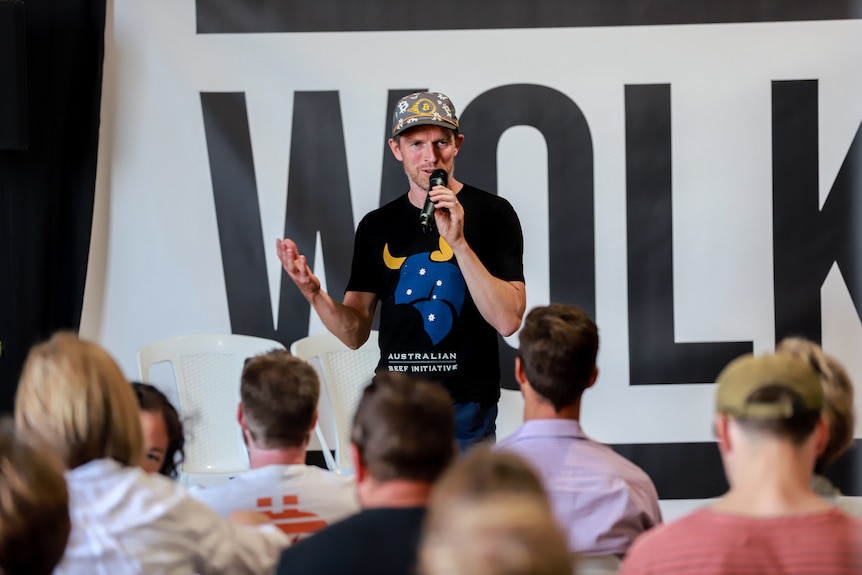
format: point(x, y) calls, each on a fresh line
point(344, 373)
point(597, 565)
point(207, 370)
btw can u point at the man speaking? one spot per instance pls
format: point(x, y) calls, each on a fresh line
point(444, 260)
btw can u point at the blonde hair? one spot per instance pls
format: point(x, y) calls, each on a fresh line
point(498, 534)
point(34, 506)
point(483, 471)
point(490, 515)
point(73, 396)
point(838, 392)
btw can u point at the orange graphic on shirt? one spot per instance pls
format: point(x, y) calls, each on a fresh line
point(290, 519)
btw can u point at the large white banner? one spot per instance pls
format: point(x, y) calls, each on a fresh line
point(705, 94)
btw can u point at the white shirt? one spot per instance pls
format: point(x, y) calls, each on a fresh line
point(300, 499)
point(128, 522)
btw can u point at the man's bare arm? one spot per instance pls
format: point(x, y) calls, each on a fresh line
point(502, 303)
point(349, 321)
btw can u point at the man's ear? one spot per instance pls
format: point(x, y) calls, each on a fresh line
point(310, 430)
point(520, 373)
point(822, 435)
point(396, 149)
point(593, 378)
point(360, 471)
point(721, 426)
point(459, 139)
point(243, 426)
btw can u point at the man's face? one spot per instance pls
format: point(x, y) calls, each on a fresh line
point(424, 149)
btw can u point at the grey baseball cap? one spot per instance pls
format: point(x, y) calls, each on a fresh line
point(421, 108)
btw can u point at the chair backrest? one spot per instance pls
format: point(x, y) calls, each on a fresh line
point(207, 370)
point(510, 412)
point(344, 373)
point(597, 565)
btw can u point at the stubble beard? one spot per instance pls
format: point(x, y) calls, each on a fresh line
point(427, 184)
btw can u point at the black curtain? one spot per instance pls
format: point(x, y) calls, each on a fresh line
point(47, 190)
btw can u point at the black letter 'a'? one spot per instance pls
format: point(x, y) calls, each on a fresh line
point(807, 239)
point(654, 355)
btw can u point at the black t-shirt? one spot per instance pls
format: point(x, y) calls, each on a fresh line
point(374, 542)
point(429, 324)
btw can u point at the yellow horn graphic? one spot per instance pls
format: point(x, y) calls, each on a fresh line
point(391, 262)
point(444, 254)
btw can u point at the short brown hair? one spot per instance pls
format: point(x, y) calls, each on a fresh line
point(558, 348)
point(838, 395)
point(34, 506)
point(404, 428)
point(279, 395)
point(73, 396)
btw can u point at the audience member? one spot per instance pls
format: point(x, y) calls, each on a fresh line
point(770, 432)
point(489, 514)
point(481, 472)
point(601, 498)
point(402, 439)
point(163, 431)
point(73, 397)
point(277, 414)
point(499, 534)
point(34, 506)
point(839, 410)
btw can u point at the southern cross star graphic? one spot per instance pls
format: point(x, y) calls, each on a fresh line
point(435, 289)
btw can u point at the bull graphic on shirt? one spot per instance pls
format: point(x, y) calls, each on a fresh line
point(432, 285)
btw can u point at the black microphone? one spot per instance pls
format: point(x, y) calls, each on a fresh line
point(438, 178)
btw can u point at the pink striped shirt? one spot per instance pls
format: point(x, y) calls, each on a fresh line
point(711, 543)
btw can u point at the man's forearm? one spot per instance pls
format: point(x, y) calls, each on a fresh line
point(345, 322)
point(501, 303)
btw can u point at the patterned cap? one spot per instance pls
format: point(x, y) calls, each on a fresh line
point(424, 108)
point(748, 374)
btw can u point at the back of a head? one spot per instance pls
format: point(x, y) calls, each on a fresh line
point(404, 428)
point(837, 393)
point(500, 534)
point(34, 507)
point(73, 396)
point(279, 394)
point(484, 472)
point(771, 396)
point(558, 348)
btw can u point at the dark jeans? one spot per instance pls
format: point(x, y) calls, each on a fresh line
point(474, 423)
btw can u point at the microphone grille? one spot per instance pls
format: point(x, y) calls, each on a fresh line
point(439, 177)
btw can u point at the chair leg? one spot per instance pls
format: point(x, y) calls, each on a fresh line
point(327, 455)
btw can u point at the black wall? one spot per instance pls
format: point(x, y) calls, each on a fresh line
point(47, 190)
point(13, 80)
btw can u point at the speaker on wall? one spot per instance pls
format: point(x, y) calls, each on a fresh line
point(13, 77)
